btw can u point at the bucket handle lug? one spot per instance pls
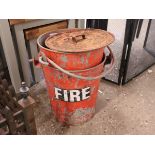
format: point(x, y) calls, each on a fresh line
point(46, 61)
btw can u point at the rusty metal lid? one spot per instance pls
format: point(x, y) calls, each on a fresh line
point(78, 40)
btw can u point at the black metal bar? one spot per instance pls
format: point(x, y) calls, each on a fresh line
point(126, 41)
point(139, 27)
point(103, 23)
point(132, 35)
point(126, 63)
point(134, 28)
point(147, 32)
point(97, 23)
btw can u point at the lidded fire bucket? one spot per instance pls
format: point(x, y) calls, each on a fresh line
point(75, 48)
point(73, 83)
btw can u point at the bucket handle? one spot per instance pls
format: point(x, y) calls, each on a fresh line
point(46, 61)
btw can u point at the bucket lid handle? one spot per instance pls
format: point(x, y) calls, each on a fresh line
point(78, 38)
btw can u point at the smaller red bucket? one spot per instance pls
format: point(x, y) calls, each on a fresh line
point(75, 49)
point(73, 93)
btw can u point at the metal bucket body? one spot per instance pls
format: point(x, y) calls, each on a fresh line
point(73, 100)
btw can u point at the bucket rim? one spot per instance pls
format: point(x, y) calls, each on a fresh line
point(66, 51)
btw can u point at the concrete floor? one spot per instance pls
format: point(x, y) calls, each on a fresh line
point(128, 109)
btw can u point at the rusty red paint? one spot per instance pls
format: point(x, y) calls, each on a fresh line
point(72, 113)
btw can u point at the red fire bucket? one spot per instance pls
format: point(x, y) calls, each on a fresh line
point(73, 65)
